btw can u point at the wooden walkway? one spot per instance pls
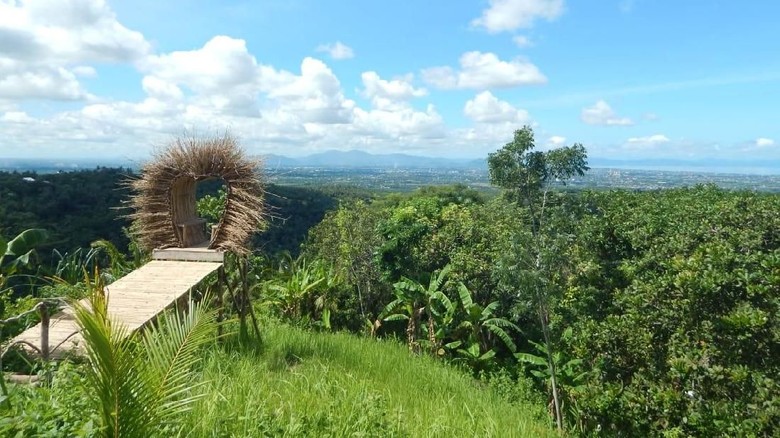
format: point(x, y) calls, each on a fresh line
point(135, 300)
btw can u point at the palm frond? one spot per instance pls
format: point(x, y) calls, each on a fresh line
point(143, 385)
point(113, 366)
point(172, 349)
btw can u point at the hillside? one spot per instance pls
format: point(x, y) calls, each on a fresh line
point(322, 384)
point(302, 383)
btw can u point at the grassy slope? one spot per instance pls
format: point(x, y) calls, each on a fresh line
point(314, 384)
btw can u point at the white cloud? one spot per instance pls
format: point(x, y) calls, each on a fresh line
point(486, 108)
point(217, 87)
point(602, 114)
point(484, 71)
point(522, 41)
point(337, 50)
point(39, 82)
point(648, 142)
point(556, 141)
point(764, 142)
point(509, 15)
point(404, 124)
point(67, 32)
point(159, 88)
point(392, 94)
point(222, 73)
point(16, 117)
point(222, 63)
point(315, 96)
point(45, 46)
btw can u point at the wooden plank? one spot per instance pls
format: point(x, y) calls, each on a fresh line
point(134, 300)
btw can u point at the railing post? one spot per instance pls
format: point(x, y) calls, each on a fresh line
point(221, 281)
point(44, 310)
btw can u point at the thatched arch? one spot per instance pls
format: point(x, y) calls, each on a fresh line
point(164, 195)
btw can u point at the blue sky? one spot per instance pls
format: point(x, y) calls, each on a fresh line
point(642, 79)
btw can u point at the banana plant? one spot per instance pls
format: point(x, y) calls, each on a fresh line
point(295, 280)
point(413, 302)
point(16, 254)
point(477, 331)
point(571, 379)
point(117, 261)
point(71, 265)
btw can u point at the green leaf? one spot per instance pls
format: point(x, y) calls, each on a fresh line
point(453, 345)
point(503, 335)
point(391, 307)
point(396, 317)
point(531, 359)
point(465, 296)
point(473, 349)
point(489, 355)
point(26, 241)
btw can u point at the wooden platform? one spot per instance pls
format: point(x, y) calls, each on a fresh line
point(135, 299)
point(192, 254)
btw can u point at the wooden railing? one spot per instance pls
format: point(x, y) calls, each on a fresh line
point(45, 308)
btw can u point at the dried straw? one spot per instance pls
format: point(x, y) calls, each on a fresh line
point(198, 159)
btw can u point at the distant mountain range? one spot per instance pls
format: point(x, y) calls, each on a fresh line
point(354, 159)
point(359, 159)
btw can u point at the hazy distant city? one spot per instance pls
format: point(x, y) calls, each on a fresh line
point(405, 173)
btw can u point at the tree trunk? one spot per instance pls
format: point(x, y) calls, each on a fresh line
point(411, 330)
point(551, 367)
point(432, 335)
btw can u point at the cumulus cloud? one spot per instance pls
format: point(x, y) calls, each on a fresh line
point(315, 96)
point(389, 94)
point(400, 124)
point(480, 70)
point(44, 46)
point(222, 73)
point(509, 15)
point(648, 142)
point(19, 81)
point(337, 50)
point(764, 142)
point(487, 108)
point(67, 32)
point(602, 114)
point(16, 117)
point(223, 86)
point(556, 141)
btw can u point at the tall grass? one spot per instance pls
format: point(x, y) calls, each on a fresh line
point(318, 384)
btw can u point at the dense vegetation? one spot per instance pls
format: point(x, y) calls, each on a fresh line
point(619, 313)
point(78, 208)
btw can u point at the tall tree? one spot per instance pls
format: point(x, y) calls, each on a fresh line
point(527, 176)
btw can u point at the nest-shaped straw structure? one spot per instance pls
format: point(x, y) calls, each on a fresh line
point(186, 161)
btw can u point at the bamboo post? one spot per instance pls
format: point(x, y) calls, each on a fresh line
point(244, 295)
point(44, 310)
point(220, 292)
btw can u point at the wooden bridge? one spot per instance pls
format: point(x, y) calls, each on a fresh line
point(134, 300)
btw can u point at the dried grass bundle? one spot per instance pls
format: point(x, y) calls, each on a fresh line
point(188, 160)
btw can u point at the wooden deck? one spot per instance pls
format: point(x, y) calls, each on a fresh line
point(135, 300)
